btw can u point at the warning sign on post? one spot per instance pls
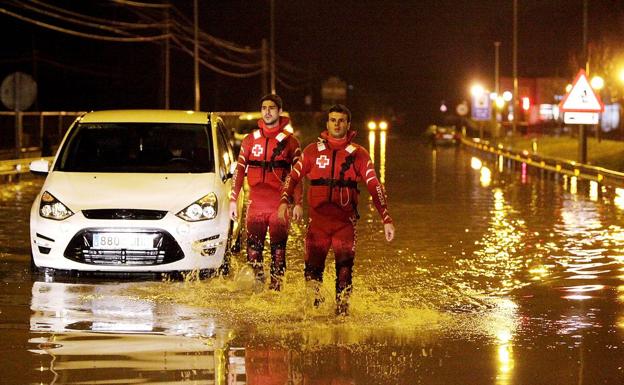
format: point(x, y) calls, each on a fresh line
point(581, 105)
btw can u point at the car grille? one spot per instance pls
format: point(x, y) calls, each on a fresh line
point(165, 250)
point(124, 214)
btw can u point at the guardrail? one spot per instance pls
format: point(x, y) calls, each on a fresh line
point(562, 166)
point(18, 166)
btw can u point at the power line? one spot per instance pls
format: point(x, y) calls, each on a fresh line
point(82, 34)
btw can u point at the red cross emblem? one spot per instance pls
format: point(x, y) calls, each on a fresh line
point(322, 161)
point(257, 150)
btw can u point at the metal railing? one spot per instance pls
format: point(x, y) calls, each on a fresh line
point(562, 166)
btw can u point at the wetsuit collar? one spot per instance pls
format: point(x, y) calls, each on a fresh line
point(338, 143)
point(271, 132)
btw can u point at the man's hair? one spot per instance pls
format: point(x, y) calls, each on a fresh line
point(341, 108)
point(274, 98)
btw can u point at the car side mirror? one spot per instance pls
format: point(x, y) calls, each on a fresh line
point(40, 167)
point(232, 169)
point(229, 174)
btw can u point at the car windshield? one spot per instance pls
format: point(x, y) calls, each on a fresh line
point(137, 148)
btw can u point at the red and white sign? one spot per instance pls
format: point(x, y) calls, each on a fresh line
point(257, 149)
point(581, 105)
point(322, 161)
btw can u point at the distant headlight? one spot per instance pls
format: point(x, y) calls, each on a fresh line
point(200, 210)
point(52, 208)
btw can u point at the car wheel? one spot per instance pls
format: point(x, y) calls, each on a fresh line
point(33, 266)
point(236, 245)
point(224, 269)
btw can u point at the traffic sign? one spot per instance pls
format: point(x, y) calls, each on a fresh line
point(18, 91)
point(581, 97)
point(481, 107)
point(462, 109)
point(574, 117)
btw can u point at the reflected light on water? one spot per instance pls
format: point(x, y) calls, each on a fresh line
point(486, 176)
point(593, 190)
point(573, 185)
point(501, 163)
point(523, 173)
point(371, 144)
point(476, 163)
point(619, 198)
point(382, 156)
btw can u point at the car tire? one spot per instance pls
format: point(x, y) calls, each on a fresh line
point(224, 269)
point(236, 245)
point(33, 266)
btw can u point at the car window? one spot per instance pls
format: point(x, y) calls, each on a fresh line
point(137, 147)
point(223, 132)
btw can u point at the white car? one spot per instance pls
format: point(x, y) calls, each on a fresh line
point(136, 191)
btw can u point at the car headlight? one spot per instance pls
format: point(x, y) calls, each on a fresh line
point(200, 210)
point(52, 208)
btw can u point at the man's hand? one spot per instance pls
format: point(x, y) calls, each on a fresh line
point(281, 211)
point(297, 213)
point(233, 210)
point(389, 231)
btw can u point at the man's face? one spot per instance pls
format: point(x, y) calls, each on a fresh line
point(337, 125)
point(270, 113)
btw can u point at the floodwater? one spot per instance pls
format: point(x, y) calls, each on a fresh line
point(499, 274)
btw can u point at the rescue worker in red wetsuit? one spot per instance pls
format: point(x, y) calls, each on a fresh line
point(334, 165)
point(266, 157)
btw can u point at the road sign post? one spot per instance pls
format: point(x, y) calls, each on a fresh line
point(581, 106)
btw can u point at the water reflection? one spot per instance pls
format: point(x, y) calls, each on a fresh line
point(95, 333)
point(372, 140)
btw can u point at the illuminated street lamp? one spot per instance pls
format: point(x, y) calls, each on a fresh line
point(507, 96)
point(477, 90)
point(372, 125)
point(597, 83)
point(383, 125)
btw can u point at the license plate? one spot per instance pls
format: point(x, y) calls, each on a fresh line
point(132, 241)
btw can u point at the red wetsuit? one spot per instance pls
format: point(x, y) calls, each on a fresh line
point(266, 157)
point(334, 168)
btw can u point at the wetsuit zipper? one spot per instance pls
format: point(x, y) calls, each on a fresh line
point(266, 146)
point(331, 176)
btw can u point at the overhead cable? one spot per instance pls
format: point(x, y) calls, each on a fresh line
point(85, 35)
point(100, 20)
point(212, 67)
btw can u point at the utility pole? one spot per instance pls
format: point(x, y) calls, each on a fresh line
point(272, 46)
point(196, 54)
point(167, 58)
point(515, 69)
point(494, 108)
point(582, 147)
point(265, 66)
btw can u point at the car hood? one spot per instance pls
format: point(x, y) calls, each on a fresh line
point(171, 192)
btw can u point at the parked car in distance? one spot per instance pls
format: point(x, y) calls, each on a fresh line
point(136, 191)
point(443, 135)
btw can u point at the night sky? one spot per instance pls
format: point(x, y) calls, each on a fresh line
point(398, 57)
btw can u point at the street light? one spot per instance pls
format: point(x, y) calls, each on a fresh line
point(597, 83)
point(477, 90)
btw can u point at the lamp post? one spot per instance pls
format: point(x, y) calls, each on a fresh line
point(495, 127)
point(196, 54)
point(515, 68)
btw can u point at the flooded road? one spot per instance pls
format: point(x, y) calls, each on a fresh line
point(499, 274)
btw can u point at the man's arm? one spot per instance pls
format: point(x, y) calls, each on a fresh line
point(297, 213)
point(377, 192)
point(290, 184)
point(238, 177)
